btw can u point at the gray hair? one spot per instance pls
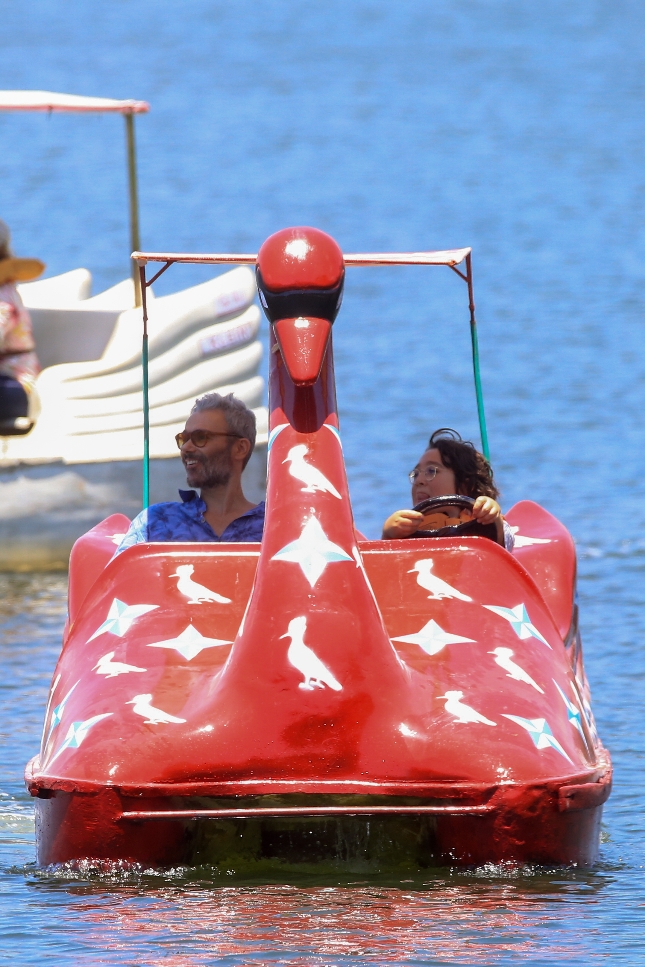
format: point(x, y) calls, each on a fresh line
point(239, 418)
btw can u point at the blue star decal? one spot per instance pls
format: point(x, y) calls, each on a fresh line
point(57, 714)
point(312, 551)
point(120, 617)
point(573, 713)
point(77, 733)
point(519, 621)
point(540, 732)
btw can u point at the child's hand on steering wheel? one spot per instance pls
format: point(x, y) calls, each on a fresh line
point(486, 510)
point(402, 523)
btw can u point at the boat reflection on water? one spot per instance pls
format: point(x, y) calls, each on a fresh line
point(489, 916)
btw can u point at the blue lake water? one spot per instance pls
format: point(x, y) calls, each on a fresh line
point(514, 127)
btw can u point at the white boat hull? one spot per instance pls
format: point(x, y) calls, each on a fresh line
point(82, 461)
point(44, 508)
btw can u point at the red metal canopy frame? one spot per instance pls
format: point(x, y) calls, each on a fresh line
point(449, 257)
point(51, 102)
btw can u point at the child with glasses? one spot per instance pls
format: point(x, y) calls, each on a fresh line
point(450, 466)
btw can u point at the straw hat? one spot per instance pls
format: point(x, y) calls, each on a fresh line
point(11, 268)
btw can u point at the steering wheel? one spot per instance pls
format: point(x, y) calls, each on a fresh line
point(469, 527)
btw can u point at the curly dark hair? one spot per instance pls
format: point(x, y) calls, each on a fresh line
point(473, 472)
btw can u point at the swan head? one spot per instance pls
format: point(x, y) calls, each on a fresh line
point(300, 274)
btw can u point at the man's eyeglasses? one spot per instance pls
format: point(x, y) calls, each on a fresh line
point(199, 438)
point(429, 473)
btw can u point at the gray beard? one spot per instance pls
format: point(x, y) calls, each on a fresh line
point(217, 478)
point(217, 473)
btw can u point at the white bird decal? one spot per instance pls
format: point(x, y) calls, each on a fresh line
point(303, 658)
point(196, 593)
point(463, 713)
point(521, 540)
point(105, 666)
point(152, 715)
point(314, 479)
point(438, 589)
point(503, 659)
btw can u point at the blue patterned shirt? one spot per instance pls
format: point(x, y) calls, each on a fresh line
point(185, 521)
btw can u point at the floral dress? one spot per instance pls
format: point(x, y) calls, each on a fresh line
point(18, 358)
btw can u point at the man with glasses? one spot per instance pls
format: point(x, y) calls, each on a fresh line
point(215, 447)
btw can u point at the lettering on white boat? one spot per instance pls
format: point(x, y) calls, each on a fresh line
point(218, 341)
point(227, 302)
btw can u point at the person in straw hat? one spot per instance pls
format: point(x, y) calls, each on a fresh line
point(19, 364)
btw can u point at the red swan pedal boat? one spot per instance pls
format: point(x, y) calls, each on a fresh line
point(319, 699)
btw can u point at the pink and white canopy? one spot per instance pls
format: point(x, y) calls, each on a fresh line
point(47, 101)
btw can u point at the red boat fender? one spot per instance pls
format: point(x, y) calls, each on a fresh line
point(586, 795)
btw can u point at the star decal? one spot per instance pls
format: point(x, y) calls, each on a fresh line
point(189, 643)
point(120, 617)
point(518, 618)
point(432, 638)
point(540, 732)
point(573, 713)
point(591, 722)
point(312, 551)
point(57, 713)
point(77, 733)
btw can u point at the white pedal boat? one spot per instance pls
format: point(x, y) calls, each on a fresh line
point(83, 459)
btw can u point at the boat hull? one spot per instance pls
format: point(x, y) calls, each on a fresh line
point(464, 824)
point(316, 701)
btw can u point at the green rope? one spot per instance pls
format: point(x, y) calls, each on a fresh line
point(473, 339)
point(146, 425)
point(478, 389)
